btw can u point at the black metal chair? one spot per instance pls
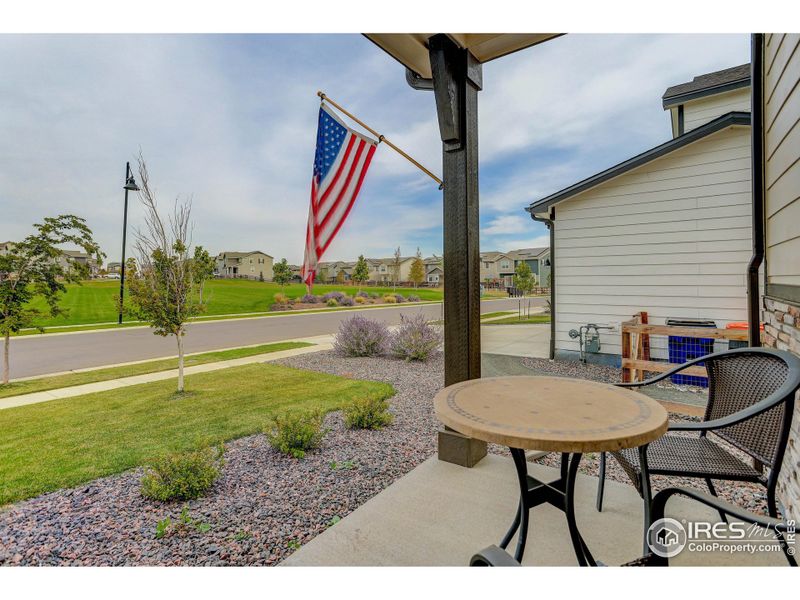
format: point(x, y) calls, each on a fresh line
point(496, 557)
point(751, 395)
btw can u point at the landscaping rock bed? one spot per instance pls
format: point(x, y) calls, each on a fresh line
point(265, 505)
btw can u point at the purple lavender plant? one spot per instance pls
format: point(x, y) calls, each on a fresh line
point(359, 336)
point(416, 339)
point(309, 299)
point(347, 301)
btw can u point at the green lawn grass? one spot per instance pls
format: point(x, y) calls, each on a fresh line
point(500, 313)
point(95, 301)
point(62, 443)
point(515, 320)
point(41, 384)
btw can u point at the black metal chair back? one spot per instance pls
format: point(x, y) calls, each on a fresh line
point(740, 379)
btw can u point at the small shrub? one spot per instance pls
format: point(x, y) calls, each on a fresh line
point(360, 300)
point(400, 298)
point(416, 339)
point(332, 302)
point(338, 296)
point(162, 527)
point(309, 299)
point(367, 413)
point(413, 298)
point(295, 432)
point(182, 476)
point(281, 298)
point(390, 299)
point(347, 301)
point(362, 294)
point(359, 336)
point(374, 295)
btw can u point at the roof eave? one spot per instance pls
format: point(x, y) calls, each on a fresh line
point(670, 101)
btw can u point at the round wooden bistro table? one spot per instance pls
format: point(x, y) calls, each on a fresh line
point(553, 414)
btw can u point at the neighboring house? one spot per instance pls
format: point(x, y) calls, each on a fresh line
point(6, 247)
point(667, 231)
point(296, 272)
point(114, 267)
point(382, 270)
point(538, 260)
point(434, 274)
point(249, 265)
point(328, 272)
point(70, 257)
point(498, 267)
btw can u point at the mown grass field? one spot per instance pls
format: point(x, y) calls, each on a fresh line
point(62, 443)
point(95, 301)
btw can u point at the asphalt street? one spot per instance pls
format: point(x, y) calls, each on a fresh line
point(39, 355)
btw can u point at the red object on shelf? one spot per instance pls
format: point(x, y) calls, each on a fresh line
point(740, 325)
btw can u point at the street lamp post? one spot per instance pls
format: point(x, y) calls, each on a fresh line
point(130, 185)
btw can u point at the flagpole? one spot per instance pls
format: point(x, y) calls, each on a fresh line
point(382, 138)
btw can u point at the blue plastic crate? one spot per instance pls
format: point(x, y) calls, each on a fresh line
point(683, 349)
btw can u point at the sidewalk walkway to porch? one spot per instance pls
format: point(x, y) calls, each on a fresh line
point(516, 340)
point(440, 514)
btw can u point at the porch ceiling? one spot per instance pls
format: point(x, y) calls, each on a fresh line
point(411, 49)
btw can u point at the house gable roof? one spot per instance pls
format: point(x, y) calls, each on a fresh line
point(708, 84)
point(718, 124)
point(229, 254)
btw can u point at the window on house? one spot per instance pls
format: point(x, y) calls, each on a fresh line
point(486, 265)
point(504, 264)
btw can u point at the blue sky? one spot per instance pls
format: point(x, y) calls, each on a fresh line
point(230, 121)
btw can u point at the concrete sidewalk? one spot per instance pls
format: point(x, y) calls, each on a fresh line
point(322, 342)
point(516, 340)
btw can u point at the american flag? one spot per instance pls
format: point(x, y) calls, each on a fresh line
point(340, 164)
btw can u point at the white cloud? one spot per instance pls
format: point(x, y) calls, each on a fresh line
point(231, 120)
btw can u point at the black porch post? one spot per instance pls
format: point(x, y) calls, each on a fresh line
point(457, 78)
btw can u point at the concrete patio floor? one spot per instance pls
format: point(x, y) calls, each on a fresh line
point(516, 340)
point(440, 514)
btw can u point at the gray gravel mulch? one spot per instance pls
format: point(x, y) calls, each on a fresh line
point(265, 504)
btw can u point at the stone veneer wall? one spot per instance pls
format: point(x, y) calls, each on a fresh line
point(782, 331)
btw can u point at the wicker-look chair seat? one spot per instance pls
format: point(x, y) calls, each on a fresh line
point(688, 457)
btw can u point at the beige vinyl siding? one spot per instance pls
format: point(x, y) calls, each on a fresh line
point(782, 141)
point(672, 237)
point(701, 111)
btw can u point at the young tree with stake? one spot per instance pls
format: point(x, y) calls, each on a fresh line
point(281, 273)
point(396, 268)
point(523, 278)
point(361, 272)
point(417, 273)
point(163, 289)
point(203, 267)
point(31, 269)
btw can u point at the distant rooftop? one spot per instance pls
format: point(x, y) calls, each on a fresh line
point(707, 84)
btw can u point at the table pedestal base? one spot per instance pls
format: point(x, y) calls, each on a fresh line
point(559, 493)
